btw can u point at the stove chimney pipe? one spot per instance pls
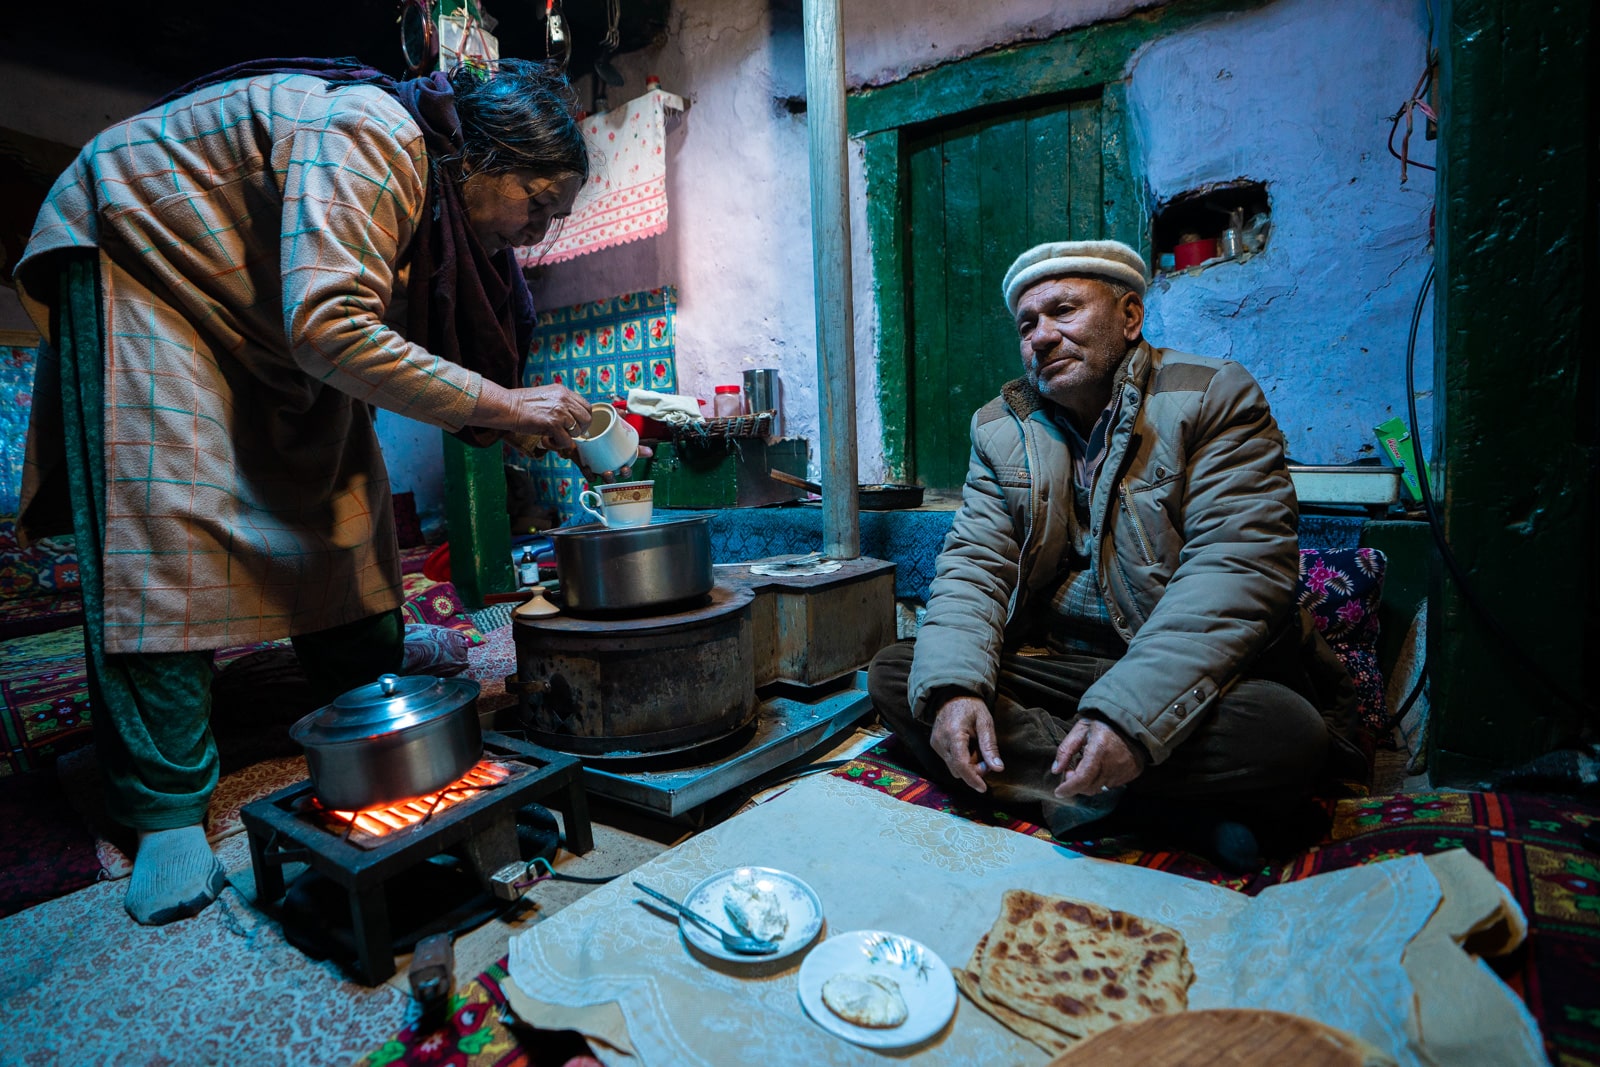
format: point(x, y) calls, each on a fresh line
point(830, 263)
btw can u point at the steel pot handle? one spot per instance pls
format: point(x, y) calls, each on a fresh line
point(516, 685)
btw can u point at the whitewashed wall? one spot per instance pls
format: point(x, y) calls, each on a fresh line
point(1296, 94)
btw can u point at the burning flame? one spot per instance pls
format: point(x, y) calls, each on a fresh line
point(404, 813)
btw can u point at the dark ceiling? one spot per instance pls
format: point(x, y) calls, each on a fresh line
point(156, 45)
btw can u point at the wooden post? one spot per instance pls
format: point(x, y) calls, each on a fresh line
point(830, 264)
point(480, 528)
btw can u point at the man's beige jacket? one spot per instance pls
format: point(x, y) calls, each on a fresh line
point(1195, 520)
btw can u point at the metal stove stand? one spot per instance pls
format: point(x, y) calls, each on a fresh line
point(282, 832)
point(790, 723)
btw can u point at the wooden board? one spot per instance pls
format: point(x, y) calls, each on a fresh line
point(1224, 1037)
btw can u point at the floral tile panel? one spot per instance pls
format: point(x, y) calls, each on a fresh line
point(599, 349)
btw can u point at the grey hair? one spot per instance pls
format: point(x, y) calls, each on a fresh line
point(523, 115)
point(1118, 289)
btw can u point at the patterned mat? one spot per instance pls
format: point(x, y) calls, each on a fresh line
point(1532, 843)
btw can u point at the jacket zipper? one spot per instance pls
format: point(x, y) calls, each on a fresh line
point(1145, 550)
point(1033, 516)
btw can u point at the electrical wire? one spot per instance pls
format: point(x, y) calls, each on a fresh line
point(552, 874)
point(1436, 527)
point(1411, 698)
point(1413, 104)
point(612, 39)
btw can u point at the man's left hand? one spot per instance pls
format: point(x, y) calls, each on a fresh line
point(1094, 757)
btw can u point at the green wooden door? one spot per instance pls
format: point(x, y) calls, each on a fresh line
point(978, 194)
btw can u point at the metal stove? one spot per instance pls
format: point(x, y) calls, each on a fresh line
point(668, 711)
point(786, 727)
point(366, 853)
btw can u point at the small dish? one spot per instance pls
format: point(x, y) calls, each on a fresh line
point(800, 905)
point(925, 982)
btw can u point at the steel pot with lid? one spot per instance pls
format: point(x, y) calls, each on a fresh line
point(630, 568)
point(393, 739)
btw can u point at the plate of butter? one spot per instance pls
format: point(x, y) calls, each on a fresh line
point(759, 902)
point(877, 989)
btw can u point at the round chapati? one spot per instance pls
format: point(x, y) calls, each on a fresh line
point(868, 1000)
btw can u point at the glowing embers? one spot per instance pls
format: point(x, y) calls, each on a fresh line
point(404, 814)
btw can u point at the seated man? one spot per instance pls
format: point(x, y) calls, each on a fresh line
point(1113, 621)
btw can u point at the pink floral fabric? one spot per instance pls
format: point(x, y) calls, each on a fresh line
point(1342, 588)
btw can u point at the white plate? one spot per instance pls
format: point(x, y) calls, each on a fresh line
point(925, 982)
point(800, 904)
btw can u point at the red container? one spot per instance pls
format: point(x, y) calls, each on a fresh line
point(1187, 255)
point(636, 421)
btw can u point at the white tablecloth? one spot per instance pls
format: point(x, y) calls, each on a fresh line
point(1328, 947)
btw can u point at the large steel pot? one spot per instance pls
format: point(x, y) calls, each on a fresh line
point(397, 738)
point(630, 568)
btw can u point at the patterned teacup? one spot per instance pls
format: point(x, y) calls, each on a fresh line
point(620, 503)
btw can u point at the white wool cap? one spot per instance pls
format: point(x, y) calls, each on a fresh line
point(1111, 260)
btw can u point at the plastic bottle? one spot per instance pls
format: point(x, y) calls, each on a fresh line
point(727, 403)
point(636, 421)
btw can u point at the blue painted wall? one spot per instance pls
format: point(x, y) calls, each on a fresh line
point(414, 454)
point(1299, 95)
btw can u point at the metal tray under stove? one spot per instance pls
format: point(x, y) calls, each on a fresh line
point(786, 727)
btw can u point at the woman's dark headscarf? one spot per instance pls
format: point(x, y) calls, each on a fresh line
point(463, 303)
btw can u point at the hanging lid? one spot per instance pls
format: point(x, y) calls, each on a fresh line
point(390, 704)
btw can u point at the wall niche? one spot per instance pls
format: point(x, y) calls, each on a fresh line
point(1212, 224)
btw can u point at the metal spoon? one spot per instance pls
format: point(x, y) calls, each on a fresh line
point(745, 946)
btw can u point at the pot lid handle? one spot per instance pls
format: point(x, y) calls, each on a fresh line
point(387, 683)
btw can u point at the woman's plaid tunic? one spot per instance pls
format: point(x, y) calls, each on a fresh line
point(250, 237)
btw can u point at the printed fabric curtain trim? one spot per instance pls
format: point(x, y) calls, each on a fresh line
point(626, 196)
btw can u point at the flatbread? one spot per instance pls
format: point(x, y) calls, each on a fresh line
point(1080, 968)
point(869, 1000)
point(1035, 1031)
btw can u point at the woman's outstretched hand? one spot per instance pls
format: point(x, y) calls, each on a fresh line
point(552, 412)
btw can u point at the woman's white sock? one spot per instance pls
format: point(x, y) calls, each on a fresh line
point(175, 875)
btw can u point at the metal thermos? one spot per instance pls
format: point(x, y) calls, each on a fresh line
point(761, 394)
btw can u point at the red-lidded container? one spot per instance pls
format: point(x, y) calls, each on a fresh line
point(727, 403)
point(636, 421)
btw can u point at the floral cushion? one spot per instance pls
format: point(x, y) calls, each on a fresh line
point(48, 568)
point(438, 604)
point(1341, 588)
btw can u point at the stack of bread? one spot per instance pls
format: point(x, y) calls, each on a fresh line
point(1056, 971)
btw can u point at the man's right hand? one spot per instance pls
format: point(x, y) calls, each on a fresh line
point(963, 736)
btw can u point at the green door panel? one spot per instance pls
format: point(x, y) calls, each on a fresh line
point(978, 193)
